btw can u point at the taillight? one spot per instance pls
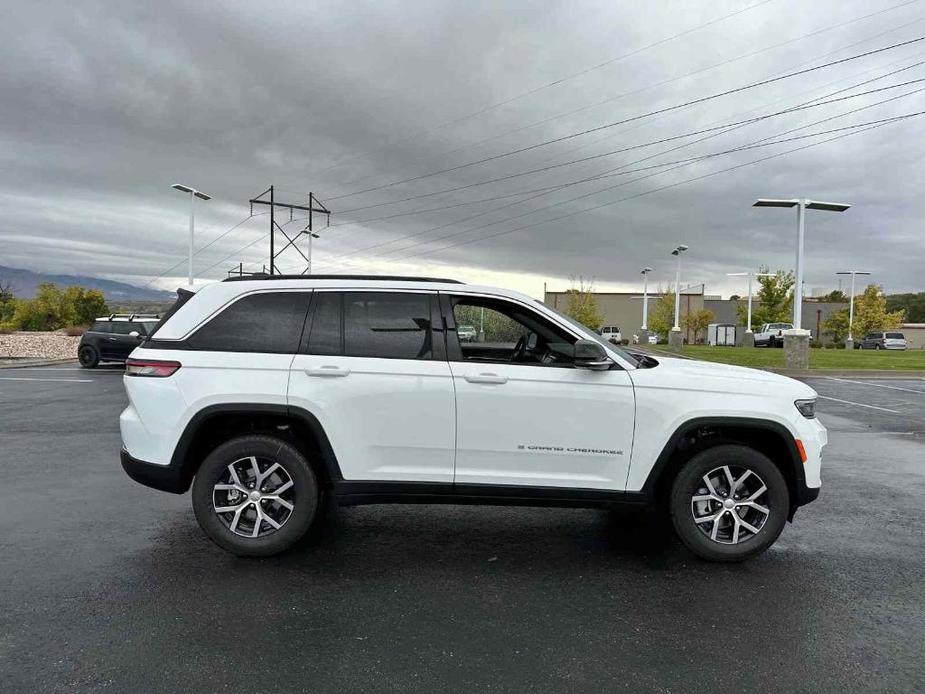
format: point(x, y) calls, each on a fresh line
point(151, 367)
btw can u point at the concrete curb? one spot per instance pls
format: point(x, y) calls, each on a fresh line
point(36, 362)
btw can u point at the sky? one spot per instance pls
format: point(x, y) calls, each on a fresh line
point(372, 105)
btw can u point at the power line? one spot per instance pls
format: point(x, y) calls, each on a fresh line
point(543, 191)
point(535, 90)
point(655, 190)
point(609, 174)
point(558, 186)
point(469, 146)
point(200, 250)
point(666, 109)
point(636, 146)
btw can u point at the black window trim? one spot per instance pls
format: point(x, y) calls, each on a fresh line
point(437, 336)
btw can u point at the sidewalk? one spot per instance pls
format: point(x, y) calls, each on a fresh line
point(15, 363)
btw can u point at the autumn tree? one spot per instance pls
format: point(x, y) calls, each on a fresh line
point(582, 305)
point(661, 315)
point(697, 321)
point(870, 315)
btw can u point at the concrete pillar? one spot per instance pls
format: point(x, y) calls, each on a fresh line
point(796, 349)
point(849, 344)
point(675, 339)
point(643, 336)
point(748, 340)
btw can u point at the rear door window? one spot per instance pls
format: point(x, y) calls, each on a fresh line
point(268, 322)
point(388, 325)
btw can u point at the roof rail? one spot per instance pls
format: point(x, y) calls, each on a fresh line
point(391, 278)
point(133, 316)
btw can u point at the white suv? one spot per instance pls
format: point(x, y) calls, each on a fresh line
point(265, 393)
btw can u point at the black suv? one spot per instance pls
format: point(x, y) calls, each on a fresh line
point(113, 337)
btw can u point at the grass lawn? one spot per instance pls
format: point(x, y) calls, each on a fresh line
point(913, 359)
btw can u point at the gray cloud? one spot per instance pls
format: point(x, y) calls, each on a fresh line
point(104, 105)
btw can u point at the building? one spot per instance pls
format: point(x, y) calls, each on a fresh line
point(915, 335)
point(624, 309)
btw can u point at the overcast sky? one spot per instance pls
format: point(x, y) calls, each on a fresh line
point(103, 105)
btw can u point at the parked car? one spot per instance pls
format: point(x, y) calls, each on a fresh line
point(772, 334)
point(612, 334)
point(466, 333)
point(113, 337)
point(265, 394)
point(883, 340)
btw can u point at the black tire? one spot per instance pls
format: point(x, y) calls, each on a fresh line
point(689, 482)
point(772, 343)
point(266, 449)
point(88, 357)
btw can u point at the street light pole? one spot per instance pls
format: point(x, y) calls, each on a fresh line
point(796, 355)
point(750, 276)
point(193, 194)
point(645, 297)
point(849, 343)
point(311, 235)
point(674, 336)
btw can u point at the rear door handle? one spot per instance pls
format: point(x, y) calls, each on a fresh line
point(328, 371)
point(486, 378)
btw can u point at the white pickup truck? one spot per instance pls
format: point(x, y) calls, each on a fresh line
point(772, 334)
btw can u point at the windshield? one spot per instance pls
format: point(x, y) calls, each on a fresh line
point(591, 335)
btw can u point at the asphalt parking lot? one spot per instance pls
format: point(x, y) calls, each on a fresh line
point(110, 586)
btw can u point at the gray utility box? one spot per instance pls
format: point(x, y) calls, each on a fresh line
point(723, 334)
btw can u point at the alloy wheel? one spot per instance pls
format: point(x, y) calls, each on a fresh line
point(730, 504)
point(254, 497)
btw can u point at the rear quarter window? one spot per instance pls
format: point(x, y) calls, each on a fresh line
point(269, 322)
point(101, 327)
point(896, 336)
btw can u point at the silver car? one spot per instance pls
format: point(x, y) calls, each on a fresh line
point(883, 340)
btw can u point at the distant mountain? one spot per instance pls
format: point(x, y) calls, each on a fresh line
point(25, 282)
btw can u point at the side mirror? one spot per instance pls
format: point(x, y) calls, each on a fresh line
point(134, 333)
point(591, 355)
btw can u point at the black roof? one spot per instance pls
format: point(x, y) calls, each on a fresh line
point(391, 278)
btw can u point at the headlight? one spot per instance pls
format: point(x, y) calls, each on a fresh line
point(807, 408)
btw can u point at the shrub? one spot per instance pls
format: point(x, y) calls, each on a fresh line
point(52, 309)
point(7, 328)
point(75, 330)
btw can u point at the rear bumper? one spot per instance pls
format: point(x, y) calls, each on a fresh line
point(163, 477)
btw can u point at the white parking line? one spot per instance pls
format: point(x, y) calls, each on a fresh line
point(49, 380)
point(859, 404)
point(875, 385)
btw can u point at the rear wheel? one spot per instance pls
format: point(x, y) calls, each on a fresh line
point(255, 495)
point(729, 503)
point(88, 357)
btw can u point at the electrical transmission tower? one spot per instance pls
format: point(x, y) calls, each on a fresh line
point(314, 207)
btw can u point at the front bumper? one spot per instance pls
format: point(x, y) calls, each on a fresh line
point(163, 477)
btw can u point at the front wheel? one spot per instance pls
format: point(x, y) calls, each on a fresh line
point(729, 503)
point(255, 495)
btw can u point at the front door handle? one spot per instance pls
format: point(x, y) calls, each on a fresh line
point(486, 378)
point(328, 371)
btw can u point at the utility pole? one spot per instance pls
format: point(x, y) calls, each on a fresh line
point(314, 206)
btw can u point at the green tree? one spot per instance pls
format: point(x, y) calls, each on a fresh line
point(774, 301)
point(661, 314)
point(51, 308)
point(88, 304)
point(914, 305)
point(697, 321)
point(582, 305)
point(7, 302)
point(836, 296)
point(871, 315)
point(836, 325)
